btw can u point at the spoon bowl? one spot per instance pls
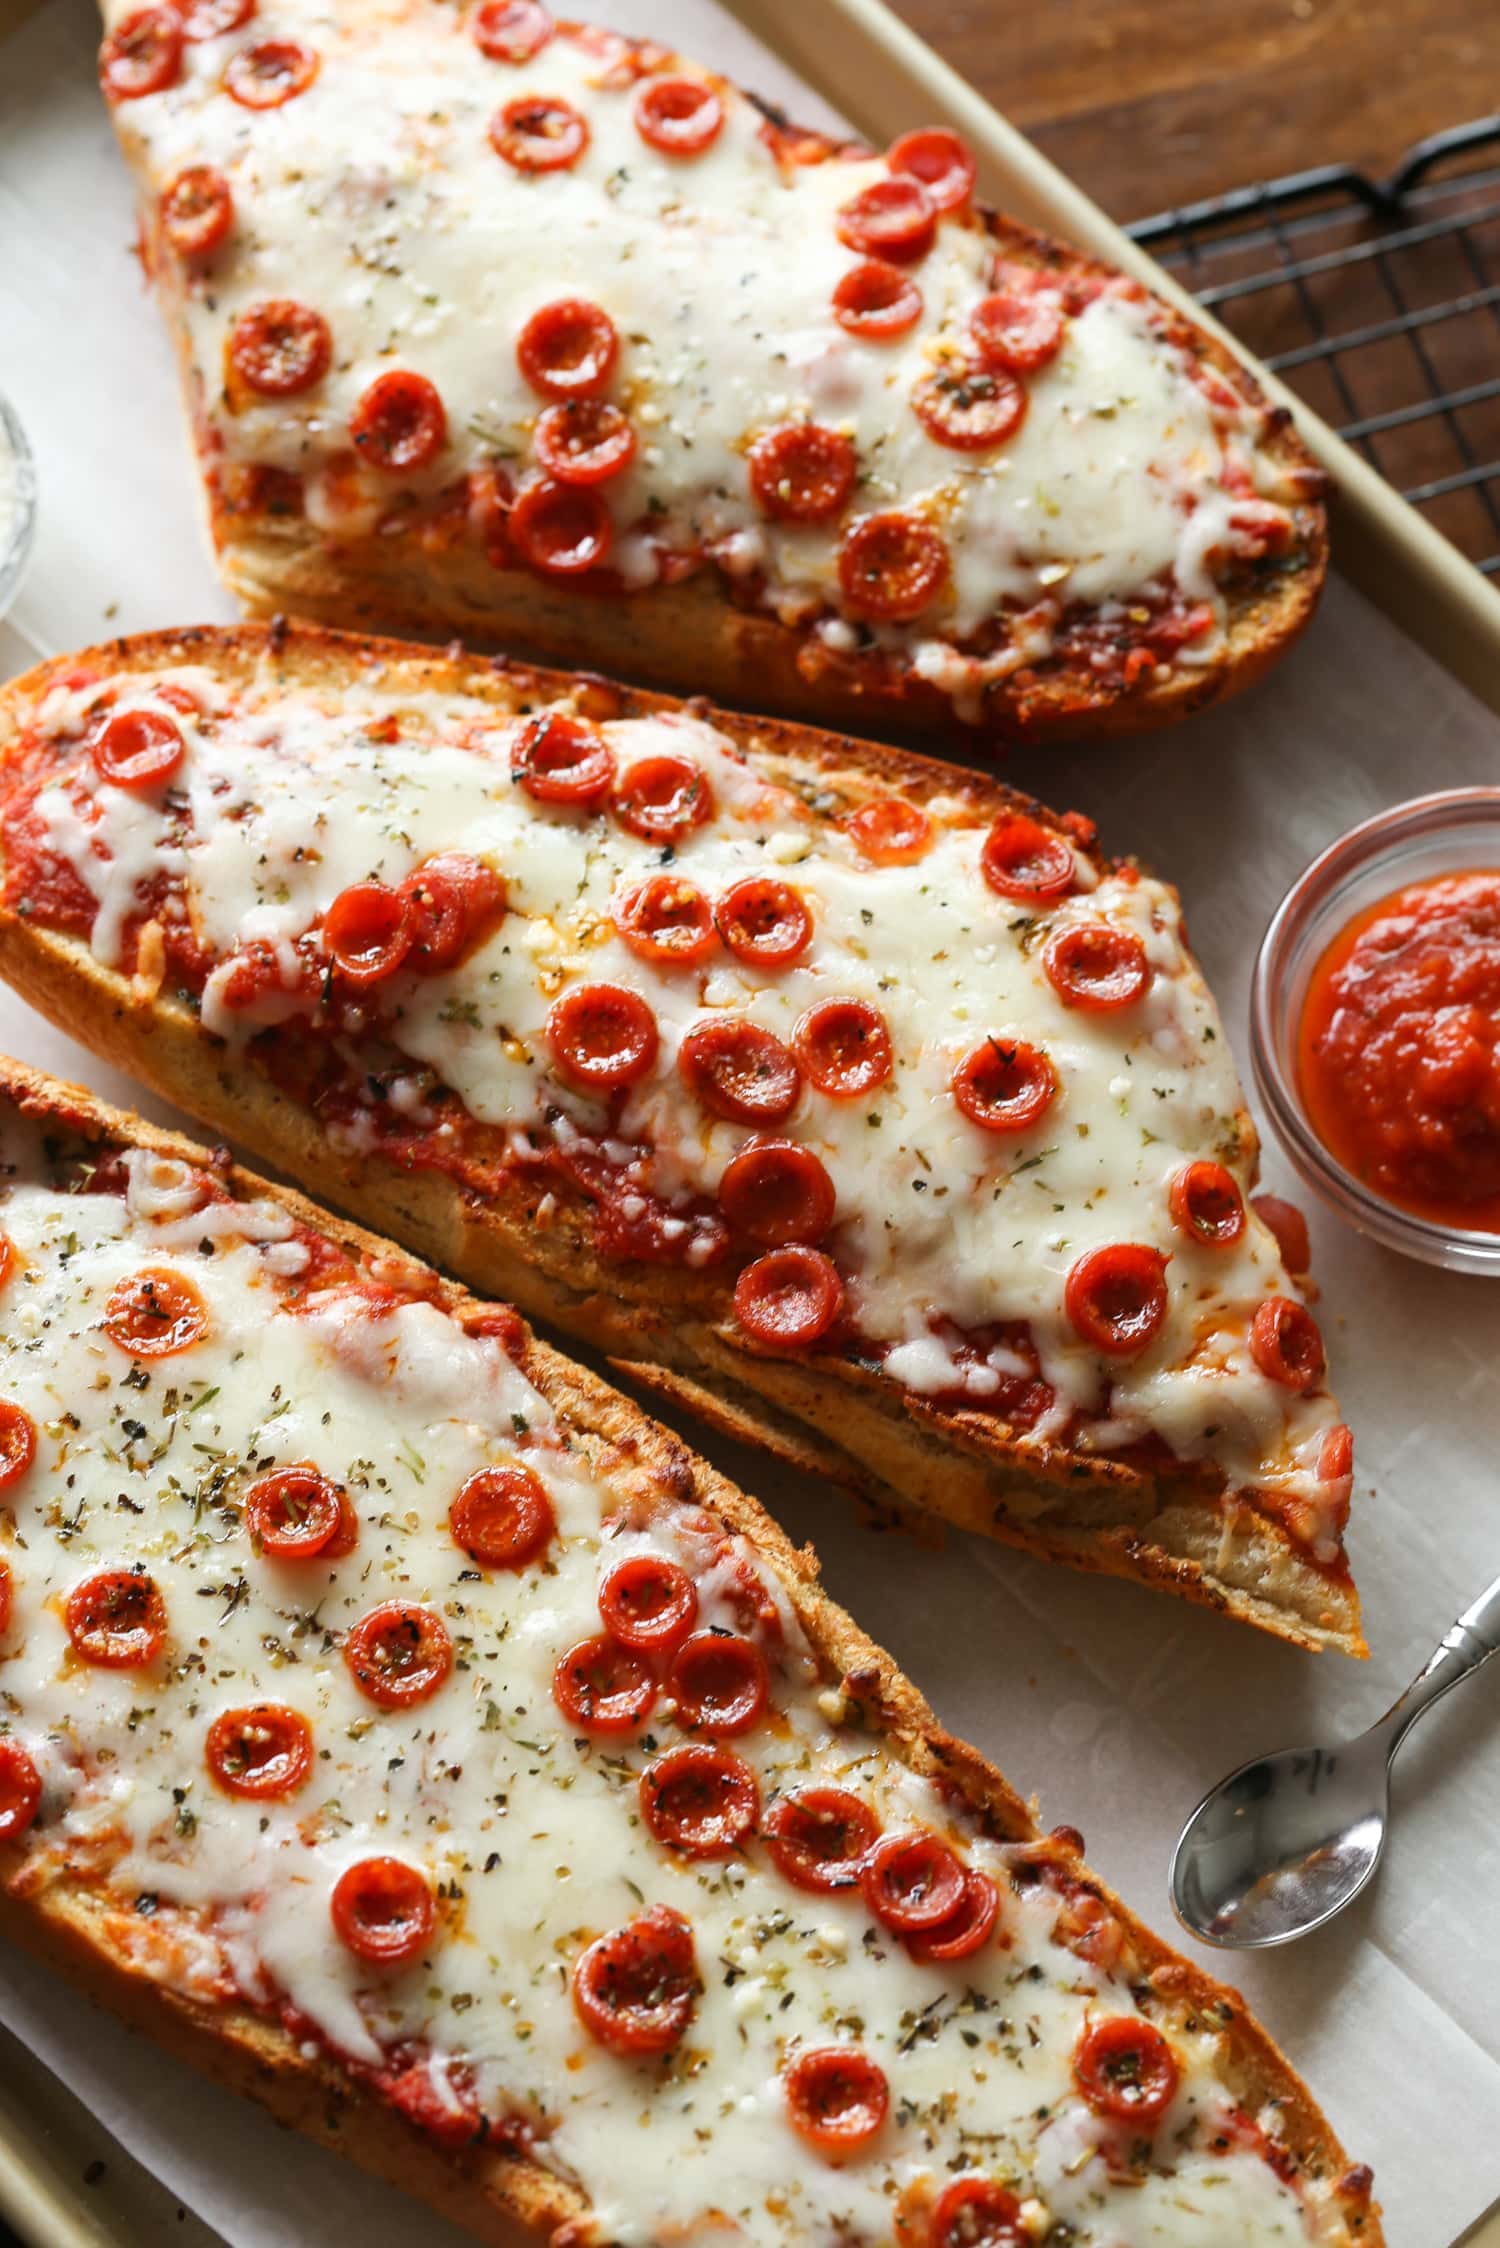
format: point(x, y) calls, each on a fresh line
point(1282, 1845)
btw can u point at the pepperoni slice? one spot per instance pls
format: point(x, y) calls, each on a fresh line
point(1116, 1297)
point(17, 1451)
point(399, 424)
point(790, 1299)
point(1206, 1206)
point(666, 920)
point(275, 71)
point(560, 759)
point(197, 211)
point(1126, 2071)
point(892, 566)
point(451, 900)
point(1016, 333)
point(602, 1036)
point(1022, 859)
point(1335, 1456)
point(1286, 1345)
point(774, 1192)
point(837, 2099)
point(117, 1619)
point(1005, 1085)
point(137, 749)
point(382, 1911)
point(802, 473)
point(502, 1517)
point(568, 349)
point(877, 301)
point(260, 1752)
point(966, 1930)
point(280, 348)
point(154, 1313)
point(399, 1654)
point(1097, 967)
point(1288, 1228)
point(941, 160)
point(663, 799)
point(647, 1602)
point(700, 1800)
point(969, 408)
point(603, 1687)
point(211, 19)
point(294, 1514)
point(368, 931)
point(562, 530)
point(978, 2213)
point(635, 1989)
point(584, 441)
point(719, 1683)
point(740, 1071)
point(680, 116)
point(845, 1048)
point(821, 1838)
point(765, 923)
point(20, 1790)
point(888, 831)
point(912, 1882)
point(539, 133)
point(892, 218)
point(142, 55)
point(511, 30)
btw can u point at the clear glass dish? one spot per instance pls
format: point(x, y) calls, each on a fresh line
point(16, 536)
point(1450, 833)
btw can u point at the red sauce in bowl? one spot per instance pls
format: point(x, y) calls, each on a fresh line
point(1398, 1050)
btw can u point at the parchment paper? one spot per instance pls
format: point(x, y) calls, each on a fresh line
point(1117, 1706)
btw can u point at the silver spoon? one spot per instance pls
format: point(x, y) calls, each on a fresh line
point(1287, 1841)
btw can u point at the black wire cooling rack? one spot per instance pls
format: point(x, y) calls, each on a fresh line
point(1379, 301)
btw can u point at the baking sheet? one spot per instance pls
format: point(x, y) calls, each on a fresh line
point(1115, 1705)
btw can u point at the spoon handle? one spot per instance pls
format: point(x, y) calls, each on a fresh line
point(1463, 1648)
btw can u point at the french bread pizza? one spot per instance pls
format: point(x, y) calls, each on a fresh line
point(409, 1731)
point(550, 338)
point(854, 1101)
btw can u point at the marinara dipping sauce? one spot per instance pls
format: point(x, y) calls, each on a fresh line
point(1398, 1049)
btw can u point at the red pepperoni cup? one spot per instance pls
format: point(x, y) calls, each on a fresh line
point(940, 160)
point(382, 1911)
point(845, 1048)
point(1005, 1085)
point(1126, 2071)
point(1206, 1205)
point(1288, 1228)
point(978, 2213)
point(892, 218)
point(502, 1517)
point(560, 759)
point(453, 899)
point(1286, 1345)
point(888, 831)
point(116, 1619)
point(649, 1603)
point(775, 1191)
point(740, 1071)
point(1021, 859)
point(1016, 333)
point(802, 473)
point(539, 133)
point(892, 567)
point(1096, 967)
point(912, 1882)
point(966, 1930)
point(155, 1313)
point(137, 749)
point(877, 301)
point(837, 2099)
point(970, 409)
point(399, 424)
point(1116, 1298)
point(789, 1300)
point(368, 933)
point(560, 530)
point(584, 441)
point(280, 348)
point(719, 1683)
point(197, 211)
point(635, 1989)
point(211, 19)
point(142, 55)
point(399, 1654)
point(261, 1752)
point(20, 1790)
point(275, 71)
point(662, 799)
point(820, 1838)
point(701, 1801)
point(667, 921)
point(765, 923)
point(294, 1514)
point(603, 1687)
point(602, 1036)
point(679, 116)
point(510, 30)
point(568, 349)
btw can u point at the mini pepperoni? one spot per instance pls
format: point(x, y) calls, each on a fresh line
point(821, 1838)
point(603, 1687)
point(155, 1313)
point(1116, 1297)
point(719, 1683)
point(978, 2213)
point(280, 347)
point(1126, 2071)
point(892, 218)
point(765, 923)
point(602, 1036)
point(211, 19)
point(1335, 1457)
point(511, 30)
point(368, 931)
point(774, 1192)
point(197, 211)
point(584, 441)
point(1005, 1085)
point(399, 1654)
point(666, 920)
point(560, 759)
point(837, 2099)
point(502, 1517)
point(892, 567)
point(700, 1800)
point(877, 301)
point(912, 1882)
point(260, 1752)
point(649, 1603)
point(662, 799)
point(275, 71)
point(1288, 1228)
point(1016, 334)
point(20, 1790)
point(382, 1911)
point(142, 55)
point(563, 530)
point(966, 1930)
point(888, 831)
point(845, 1048)
point(940, 160)
point(790, 1299)
point(294, 1514)
point(680, 116)
point(539, 133)
point(399, 424)
point(568, 349)
point(802, 473)
point(1097, 967)
point(1286, 1345)
point(1022, 859)
point(451, 901)
point(635, 1989)
point(117, 1618)
point(740, 1071)
point(969, 409)
point(1206, 1206)
point(137, 749)
point(17, 1451)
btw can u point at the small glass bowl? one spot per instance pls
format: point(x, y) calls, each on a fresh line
point(15, 544)
point(1454, 832)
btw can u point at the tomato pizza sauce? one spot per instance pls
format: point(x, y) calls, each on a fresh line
point(1399, 1049)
